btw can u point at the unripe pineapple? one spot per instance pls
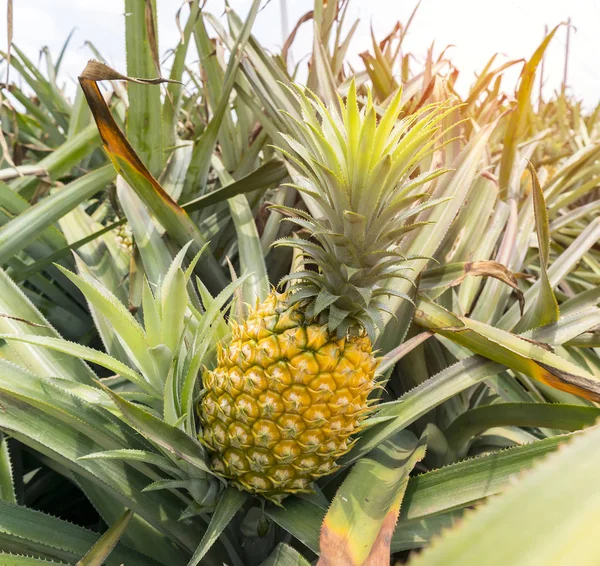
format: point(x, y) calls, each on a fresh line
point(284, 399)
point(292, 385)
point(124, 236)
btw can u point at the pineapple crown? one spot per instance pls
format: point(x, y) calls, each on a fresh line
point(361, 176)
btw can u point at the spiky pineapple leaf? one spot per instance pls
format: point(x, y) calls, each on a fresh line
point(388, 361)
point(513, 351)
point(126, 328)
point(21, 560)
point(84, 353)
point(560, 268)
point(427, 241)
point(140, 534)
point(466, 482)
point(553, 416)
point(428, 496)
point(173, 101)
point(147, 233)
point(454, 274)
point(25, 228)
point(60, 161)
point(397, 415)
point(144, 116)
point(19, 315)
point(34, 532)
point(417, 533)
point(301, 518)
point(166, 436)
point(7, 485)
point(201, 158)
point(229, 504)
point(285, 555)
point(550, 497)
point(134, 455)
point(359, 524)
point(104, 546)
point(273, 171)
point(63, 427)
point(252, 260)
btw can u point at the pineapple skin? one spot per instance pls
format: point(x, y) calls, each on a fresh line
point(284, 399)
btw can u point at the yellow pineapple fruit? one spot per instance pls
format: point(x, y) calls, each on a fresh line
point(284, 399)
point(291, 386)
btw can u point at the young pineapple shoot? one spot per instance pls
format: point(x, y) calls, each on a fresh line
point(292, 385)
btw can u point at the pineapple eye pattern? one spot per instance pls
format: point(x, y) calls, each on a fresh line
point(304, 395)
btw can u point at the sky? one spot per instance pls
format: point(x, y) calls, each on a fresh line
point(476, 29)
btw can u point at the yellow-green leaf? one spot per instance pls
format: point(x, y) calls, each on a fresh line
point(359, 525)
point(545, 308)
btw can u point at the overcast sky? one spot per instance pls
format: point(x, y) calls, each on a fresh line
point(511, 27)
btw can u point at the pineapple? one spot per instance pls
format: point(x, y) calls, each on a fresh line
point(284, 399)
point(124, 237)
point(292, 385)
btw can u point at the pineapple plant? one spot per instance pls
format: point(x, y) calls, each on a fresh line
point(292, 385)
point(336, 418)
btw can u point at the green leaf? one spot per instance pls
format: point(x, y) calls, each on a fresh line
point(544, 309)
point(65, 251)
point(285, 555)
point(559, 497)
point(19, 315)
point(172, 101)
point(417, 533)
point(252, 261)
point(301, 518)
point(7, 487)
point(513, 351)
point(63, 159)
point(174, 299)
point(28, 226)
point(271, 172)
point(134, 455)
point(229, 504)
point(140, 535)
point(203, 152)
point(426, 241)
point(96, 555)
point(465, 483)
point(34, 532)
point(84, 353)
point(144, 115)
point(168, 437)
point(18, 560)
point(562, 417)
point(147, 233)
point(359, 524)
point(559, 269)
point(127, 329)
point(397, 415)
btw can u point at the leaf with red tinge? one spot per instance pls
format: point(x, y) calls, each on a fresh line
point(359, 525)
point(515, 352)
point(126, 161)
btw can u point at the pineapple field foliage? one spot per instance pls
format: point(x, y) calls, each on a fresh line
point(137, 236)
